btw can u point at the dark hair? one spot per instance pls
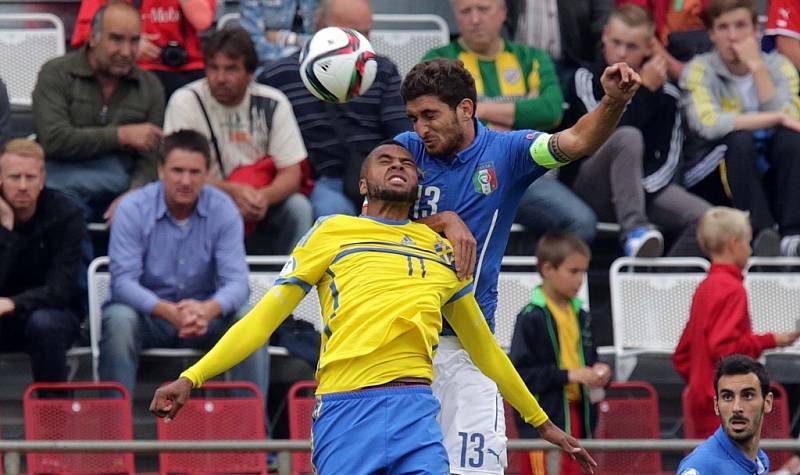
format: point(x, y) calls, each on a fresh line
point(234, 43)
point(97, 19)
point(555, 246)
point(742, 364)
point(186, 139)
point(365, 163)
point(446, 79)
point(717, 8)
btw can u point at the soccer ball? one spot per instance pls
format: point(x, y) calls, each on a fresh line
point(338, 64)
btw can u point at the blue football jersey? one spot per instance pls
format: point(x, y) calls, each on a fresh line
point(483, 184)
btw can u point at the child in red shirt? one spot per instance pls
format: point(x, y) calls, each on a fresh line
point(719, 322)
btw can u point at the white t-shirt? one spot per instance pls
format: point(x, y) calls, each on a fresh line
point(747, 92)
point(262, 124)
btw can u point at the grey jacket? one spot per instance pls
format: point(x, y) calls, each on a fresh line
point(711, 103)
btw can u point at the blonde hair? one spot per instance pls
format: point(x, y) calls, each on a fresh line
point(719, 224)
point(24, 148)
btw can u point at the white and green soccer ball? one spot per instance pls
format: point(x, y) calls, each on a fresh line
point(338, 64)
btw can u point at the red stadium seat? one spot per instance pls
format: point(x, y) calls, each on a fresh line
point(629, 411)
point(301, 406)
point(776, 423)
point(217, 411)
point(83, 411)
point(511, 432)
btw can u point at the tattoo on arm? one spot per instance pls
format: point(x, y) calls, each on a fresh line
point(555, 149)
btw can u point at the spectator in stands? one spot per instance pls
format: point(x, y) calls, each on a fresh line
point(170, 44)
point(680, 30)
point(339, 136)
point(517, 88)
point(553, 349)
point(98, 115)
point(630, 179)
point(40, 258)
point(568, 30)
point(178, 269)
point(783, 27)
point(256, 144)
point(719, 321)
point(744, 120)
point(279, 28)
point(5, 114)
point(741, 400)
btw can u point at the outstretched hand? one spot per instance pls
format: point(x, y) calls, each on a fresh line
point(551, 433)
point(620, 82)
point(170, 398)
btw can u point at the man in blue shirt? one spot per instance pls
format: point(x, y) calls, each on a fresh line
point(742, 397)
point(178, 269)
point(471, 182)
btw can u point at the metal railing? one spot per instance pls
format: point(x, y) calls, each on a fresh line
point(284, 447)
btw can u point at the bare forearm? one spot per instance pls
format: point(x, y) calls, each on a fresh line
point(790, 48)
point(499, 113)
point(437, 222)
point(591, 130)
point(757, 120)
point(199, 13)
point(765, 88)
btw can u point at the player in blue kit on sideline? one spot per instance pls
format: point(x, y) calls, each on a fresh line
point(471, 181)
point(741, 400)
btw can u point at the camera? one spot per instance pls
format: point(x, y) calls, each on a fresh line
point(174, 55)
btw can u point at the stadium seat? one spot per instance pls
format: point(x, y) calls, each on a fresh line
point(82, 411)
point(773, 291)
point(27, 41)
point(776, 424)
point(224, 411)
point(263, 272)
point(405, 38)
point(513, 467)
point(514, 290)
point(629, 411)
point(301, 407)
point(650, 303)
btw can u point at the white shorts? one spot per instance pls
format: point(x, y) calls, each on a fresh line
point(472, 416)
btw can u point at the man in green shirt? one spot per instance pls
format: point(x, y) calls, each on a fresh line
point(518, 88)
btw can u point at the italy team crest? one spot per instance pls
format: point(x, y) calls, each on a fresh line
point(485, 179)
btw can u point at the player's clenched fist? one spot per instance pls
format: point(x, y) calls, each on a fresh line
point(169, 398)
point(620, 82)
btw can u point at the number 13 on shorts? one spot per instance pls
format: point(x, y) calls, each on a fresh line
point(472, 447)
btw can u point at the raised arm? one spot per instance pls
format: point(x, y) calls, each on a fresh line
point(620, 82)
point(464, 315)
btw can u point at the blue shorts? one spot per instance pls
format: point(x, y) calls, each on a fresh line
point(387, 431)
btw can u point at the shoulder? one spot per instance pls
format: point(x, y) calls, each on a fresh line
point(776, 60)
point(147, 80)
point(704, 460)
point(524, 51)
point(219, 202)
point(63, 63)
point(59, 205)
point(269, 92)
point(135, 203)
point(281, 70)
point(698, 67)
point(186, 94)
point(449, 50)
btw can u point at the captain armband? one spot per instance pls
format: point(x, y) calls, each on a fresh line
point(546, 152)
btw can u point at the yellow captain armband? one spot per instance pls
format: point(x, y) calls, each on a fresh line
point(546, 152)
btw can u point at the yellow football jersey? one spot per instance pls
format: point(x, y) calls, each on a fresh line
point(381, 285)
